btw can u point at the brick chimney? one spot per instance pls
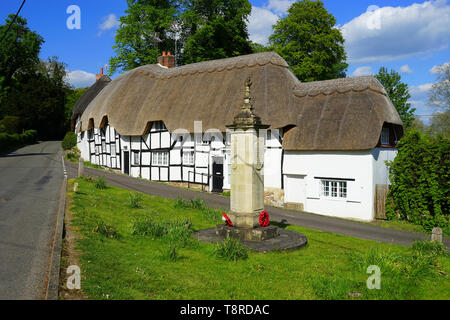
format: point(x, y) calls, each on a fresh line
point(98, 76)
point(167, 60)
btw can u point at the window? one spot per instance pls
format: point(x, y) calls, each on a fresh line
point(188, 157)
point(136, 157)
point(113, 150)
point(334, 189)
point(158, 126)
point(385, 137)
point(103, 146)
point(160, 158)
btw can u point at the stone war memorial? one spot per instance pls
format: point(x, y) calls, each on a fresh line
point(247, 220)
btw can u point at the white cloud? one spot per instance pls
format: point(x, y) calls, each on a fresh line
point(260, 24)
point(80, 78)
point(436, 69)
point(392, 33)
point(406, 69)
point(420, 89)
point(362, 71)
point(279, 6)
point(109, 22)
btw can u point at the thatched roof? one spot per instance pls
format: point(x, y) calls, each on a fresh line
point(87, 98)
point(213, 92)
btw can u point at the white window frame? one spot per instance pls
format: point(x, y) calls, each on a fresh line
point(385, 134)
point(334, 189)
point(136, 158)
point(160, 158)
point(189, 158)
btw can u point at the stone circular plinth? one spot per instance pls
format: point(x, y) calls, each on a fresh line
point(287, 240)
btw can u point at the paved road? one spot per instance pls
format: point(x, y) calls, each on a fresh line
point(311, 221)
point(30, 184)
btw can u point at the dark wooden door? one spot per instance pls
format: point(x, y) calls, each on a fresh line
point(126, 162)
point(217, 177)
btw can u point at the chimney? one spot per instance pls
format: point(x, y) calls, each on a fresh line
point(98, 76)
point(167, 60)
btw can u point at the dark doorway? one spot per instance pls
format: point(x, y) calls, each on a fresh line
point(126, 162)
point(217, 177)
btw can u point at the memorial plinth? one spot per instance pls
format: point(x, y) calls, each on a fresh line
point(247, 188)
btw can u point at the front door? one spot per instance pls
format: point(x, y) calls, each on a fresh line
point(126, 162)
point(217, 177)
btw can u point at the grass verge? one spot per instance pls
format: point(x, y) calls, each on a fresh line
point(148, 253)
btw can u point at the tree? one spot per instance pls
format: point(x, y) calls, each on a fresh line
point(398, 92)
point(310, 43)
point(71, 99)
point(39, 99)
point(19, 54)
point(143, 34)
point(439, 96)
point(215, 29)
point(420, 192)
point(440, 124)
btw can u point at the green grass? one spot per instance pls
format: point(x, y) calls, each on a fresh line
point(149, 253)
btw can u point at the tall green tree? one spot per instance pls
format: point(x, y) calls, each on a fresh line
point(310, 43)
point(19, 54)
point(39, 99)
point(144, 32)
point(215, 29)
point(398, 92)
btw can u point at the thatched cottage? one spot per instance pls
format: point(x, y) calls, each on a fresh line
point(326, 146)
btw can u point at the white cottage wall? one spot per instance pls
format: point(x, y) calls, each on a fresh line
point(354, 168)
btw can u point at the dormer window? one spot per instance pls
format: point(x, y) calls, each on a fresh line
point(385, 137)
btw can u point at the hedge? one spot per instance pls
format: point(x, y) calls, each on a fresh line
point(420, 178)
point(69, 141)
point(12, 141)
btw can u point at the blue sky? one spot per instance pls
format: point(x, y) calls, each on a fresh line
point(411, 37)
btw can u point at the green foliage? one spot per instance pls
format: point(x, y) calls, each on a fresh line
point(11, 124)
point(143, 34)
point(106, 230)
point(420, 175)
point(178, 230)
point(398, 92)
point(205, 30)
point(69, 141)
point(196, 203)
point(12, 141)
point(231, 249)
point(100, 183)
point(432, 248)
point(215, 29)
point(19, 51)
point(135, 200)
point(310, 43)
point(31, 89)
point(73, 155)
point(169, 253)
point(71, 99)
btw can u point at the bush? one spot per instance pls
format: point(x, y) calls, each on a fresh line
point(11, 124)
point(100, 183)
point(69, 141)
point(231, 249)
point(135, 200)
point(11, 141)
point(420, 192)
